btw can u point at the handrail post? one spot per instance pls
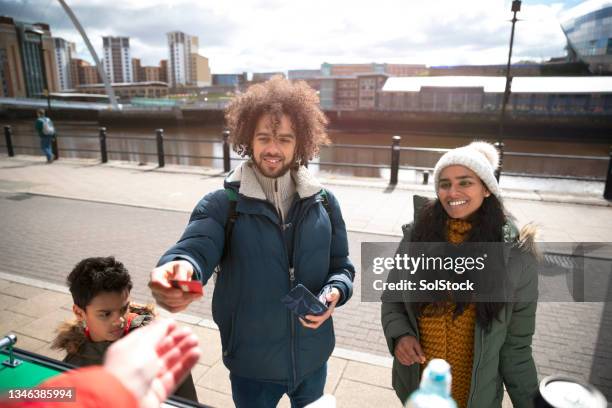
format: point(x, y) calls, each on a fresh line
point(425, 177)
point(8, 135)
point(226, 151)
point(55, 148)
point(608, 188)
point(500, 149)
point(395, 156)
point(103, 151)
point(160, 147)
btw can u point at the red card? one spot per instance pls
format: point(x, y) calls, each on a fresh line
point(188, 286)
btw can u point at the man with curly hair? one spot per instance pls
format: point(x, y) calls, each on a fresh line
point(272, 227)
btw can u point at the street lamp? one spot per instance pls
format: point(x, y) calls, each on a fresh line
point(516, 7)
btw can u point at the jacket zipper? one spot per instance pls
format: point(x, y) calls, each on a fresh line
point(281, 228)
point(291, 283)
point(291, 277)
point(293, 336)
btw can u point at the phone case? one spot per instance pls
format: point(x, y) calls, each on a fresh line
point(302, 302)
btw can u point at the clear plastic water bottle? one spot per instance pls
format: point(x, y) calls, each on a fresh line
point(434, 391)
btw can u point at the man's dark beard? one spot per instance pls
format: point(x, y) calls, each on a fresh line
point(282, 172)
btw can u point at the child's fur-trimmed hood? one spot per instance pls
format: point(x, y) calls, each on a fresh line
point(71, 334)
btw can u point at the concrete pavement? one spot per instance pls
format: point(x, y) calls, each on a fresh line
point(360, 368)
point(180, 187)
point(33, 309)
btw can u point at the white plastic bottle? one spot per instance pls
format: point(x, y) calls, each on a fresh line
point(435, 387)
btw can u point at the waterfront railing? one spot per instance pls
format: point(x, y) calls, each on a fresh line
point(391, 159)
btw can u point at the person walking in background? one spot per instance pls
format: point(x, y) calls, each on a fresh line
point(271, 228)
point(46, 131)
point(488, 344)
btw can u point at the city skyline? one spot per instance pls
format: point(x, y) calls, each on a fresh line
point(268, 35)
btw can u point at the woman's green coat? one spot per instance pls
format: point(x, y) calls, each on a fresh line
point(502, 355)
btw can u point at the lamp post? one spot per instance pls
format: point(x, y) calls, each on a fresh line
point(516, 7)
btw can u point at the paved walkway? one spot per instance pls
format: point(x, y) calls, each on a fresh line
point(33, 309)
point(135, 212)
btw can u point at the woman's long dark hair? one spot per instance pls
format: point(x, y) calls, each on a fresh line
point(487, 222)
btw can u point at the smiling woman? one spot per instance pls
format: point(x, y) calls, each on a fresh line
point(464, 178)
point(487, 344)
point(461, 192)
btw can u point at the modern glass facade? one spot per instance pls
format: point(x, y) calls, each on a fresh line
point(229, 79)
point(589, 38)
point(4, 73)
point(31, 52)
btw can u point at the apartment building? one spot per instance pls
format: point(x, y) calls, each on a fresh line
point(117, 59)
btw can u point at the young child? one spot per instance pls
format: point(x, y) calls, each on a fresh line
point(100, 289)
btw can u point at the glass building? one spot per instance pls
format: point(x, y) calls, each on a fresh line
point(588, 28)
point(235, 80)
point(31, 51)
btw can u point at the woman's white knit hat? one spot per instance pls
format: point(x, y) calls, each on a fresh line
point(480, 157)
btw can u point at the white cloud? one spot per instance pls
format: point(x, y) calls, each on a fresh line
point(265, 35)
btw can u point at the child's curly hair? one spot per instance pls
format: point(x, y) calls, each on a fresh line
point(93, 276)
point(276, 97)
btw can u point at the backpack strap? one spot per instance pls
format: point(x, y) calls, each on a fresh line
point(327, 206)
point(232, 215)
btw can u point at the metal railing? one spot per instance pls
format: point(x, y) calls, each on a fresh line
point(159, 139)
point(394, 164)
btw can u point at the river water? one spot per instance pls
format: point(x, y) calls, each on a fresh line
point(197, 145)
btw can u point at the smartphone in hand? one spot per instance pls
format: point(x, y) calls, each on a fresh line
point(302, 302)
point(187, 286)
point(327, 289)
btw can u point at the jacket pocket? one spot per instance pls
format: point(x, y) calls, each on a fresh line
point(230, 338)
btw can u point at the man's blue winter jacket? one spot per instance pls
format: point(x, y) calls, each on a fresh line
point(261, 339)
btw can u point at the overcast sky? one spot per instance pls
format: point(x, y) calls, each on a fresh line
point(277, 35)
